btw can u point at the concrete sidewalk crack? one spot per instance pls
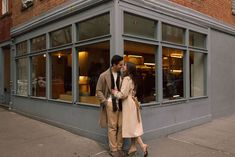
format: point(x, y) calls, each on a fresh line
point(203, 146)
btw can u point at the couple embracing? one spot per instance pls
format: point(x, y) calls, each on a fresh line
point(119, 107)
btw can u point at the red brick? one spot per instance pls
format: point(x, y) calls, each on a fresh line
point(219, 9)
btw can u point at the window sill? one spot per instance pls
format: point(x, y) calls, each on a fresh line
point(87, 104)
point(200, 97)
point(61, 101)
point(40, 98)
point(173, 102)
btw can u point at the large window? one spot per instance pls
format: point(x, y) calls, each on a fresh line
point(143, 55)
point(38, 43)
point(62, 75)
point(173, 70)
point(4, 6)
point(93, 60)
point(61, 37)
point(197, 74)
point(139, 26)
point(173, 34)
point(22, 77)
point(95, 27)
point(21, 48)
point(39, 75)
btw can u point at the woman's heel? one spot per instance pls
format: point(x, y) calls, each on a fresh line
point(145, 150)
point(132, 152)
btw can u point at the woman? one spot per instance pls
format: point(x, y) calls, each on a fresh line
point(131, 123)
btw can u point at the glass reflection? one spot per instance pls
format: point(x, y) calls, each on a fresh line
point(173, 79)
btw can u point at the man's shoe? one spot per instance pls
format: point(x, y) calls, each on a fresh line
point(114, 154)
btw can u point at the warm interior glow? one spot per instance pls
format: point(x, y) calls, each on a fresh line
point(176, 71)
point(83, 54)
point(177, 55)
point(135, 56)
point(83, 79)
point(149, 64)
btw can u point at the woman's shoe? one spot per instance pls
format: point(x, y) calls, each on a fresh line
point(131, 153)
point(146, 150)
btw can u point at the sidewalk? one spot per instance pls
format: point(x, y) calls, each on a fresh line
point(24, 137)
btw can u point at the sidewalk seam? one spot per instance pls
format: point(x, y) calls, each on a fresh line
point(203, 146)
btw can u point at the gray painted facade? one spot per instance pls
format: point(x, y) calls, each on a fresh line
point(222, 71)
point(160, 118)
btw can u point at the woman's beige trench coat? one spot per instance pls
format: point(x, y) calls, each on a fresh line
point(131, 127)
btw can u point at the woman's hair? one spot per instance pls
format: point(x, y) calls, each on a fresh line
point(131, 72)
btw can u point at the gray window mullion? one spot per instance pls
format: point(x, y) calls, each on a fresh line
point(48, 76)
point(74, 33)
point(29, 76)
point(13, 68)
point(116, 20)
point(29, 68)
point(186, 75)
point(75, 87)
point(159, 78)
point(207, 63)
point(159, 74)
point(186, 67)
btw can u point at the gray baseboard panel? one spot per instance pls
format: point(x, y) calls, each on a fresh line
point(164, 131)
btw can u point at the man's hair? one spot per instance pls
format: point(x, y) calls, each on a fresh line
point(116, 59)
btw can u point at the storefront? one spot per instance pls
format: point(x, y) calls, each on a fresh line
point(57, 59)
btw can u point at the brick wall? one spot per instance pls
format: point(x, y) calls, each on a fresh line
point(5, 23)
point(219, 9)
point(39, 7)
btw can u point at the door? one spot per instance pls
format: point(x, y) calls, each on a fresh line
point(7, 75)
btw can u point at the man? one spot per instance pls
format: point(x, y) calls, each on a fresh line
point(111, 108)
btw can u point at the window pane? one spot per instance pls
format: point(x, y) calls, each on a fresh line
point(21, 48)
point(39, 76)
point(140, 26)
point(173, 34)
point(143, 55)
point(197, 39)
point(62, 75)
point(94, 27)
point(61, 37)
point(38, 43)
point(22, 77)
point(197, 74)
point(173, 80)
point(93, 60)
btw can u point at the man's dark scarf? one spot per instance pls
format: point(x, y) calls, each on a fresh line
point(114, 100)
